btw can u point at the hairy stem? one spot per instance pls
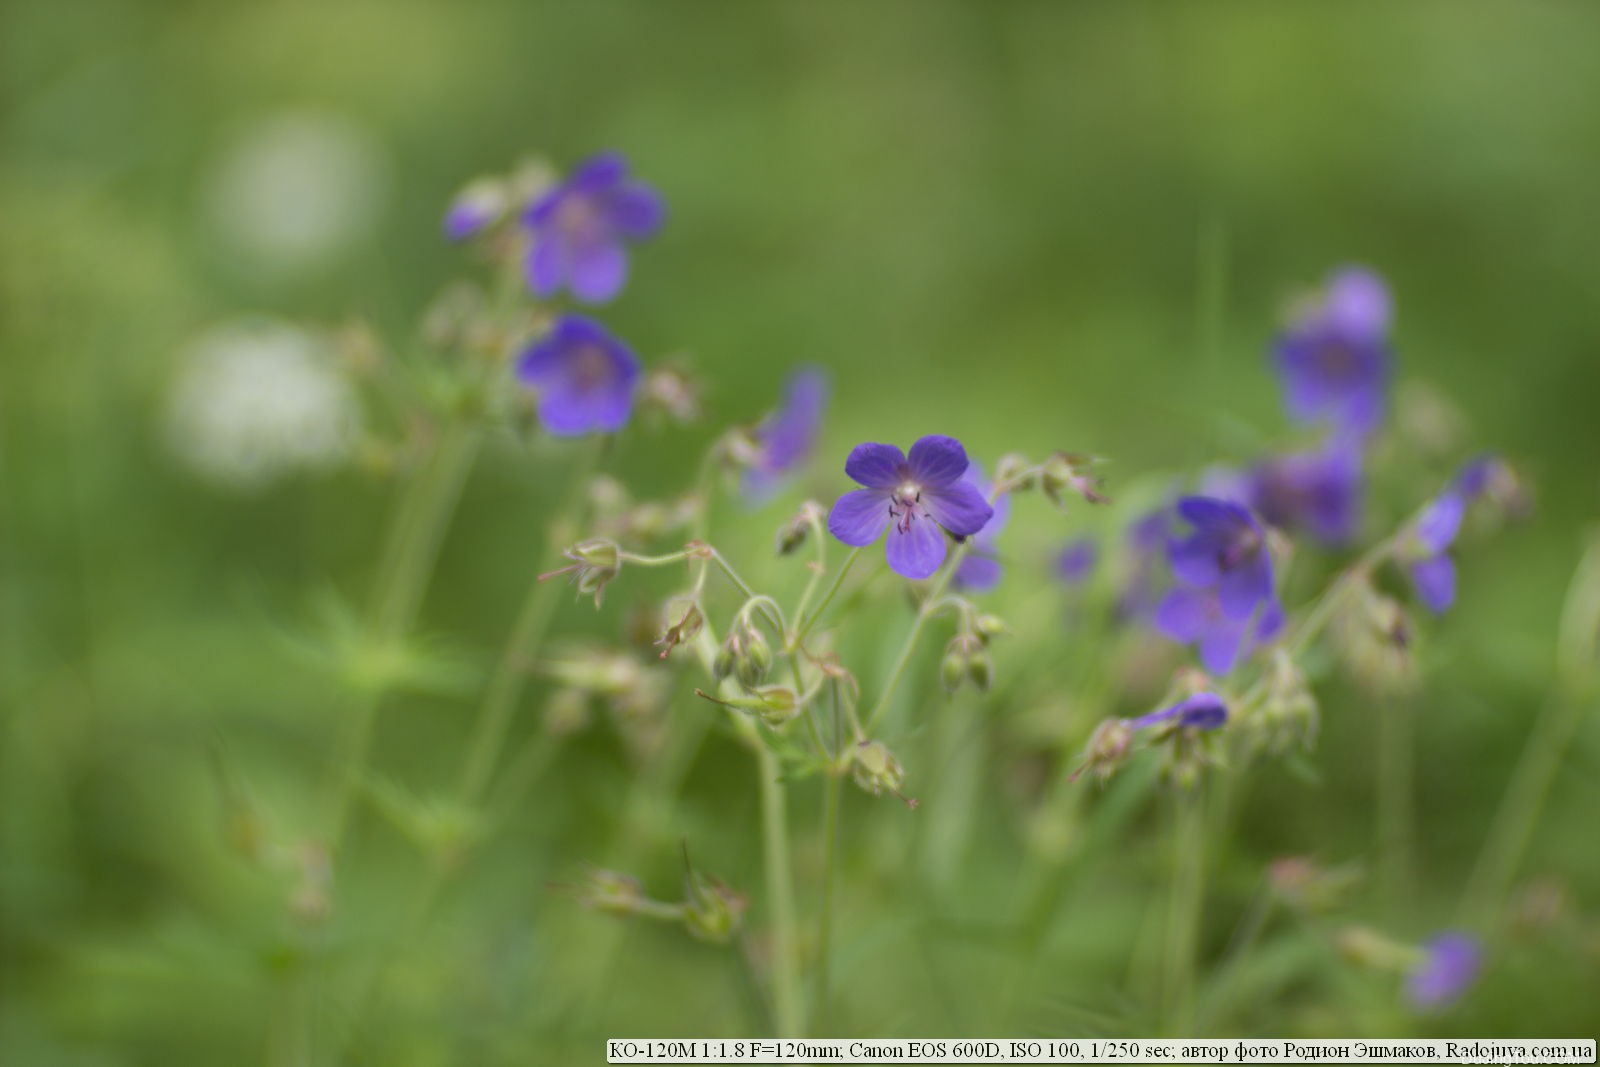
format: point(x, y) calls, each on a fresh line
point(780, 894)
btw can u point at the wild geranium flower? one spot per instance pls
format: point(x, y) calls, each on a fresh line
point(1432, 571)
point(1335, 358)
point(785, 438)
point(980, 570)
point(1318, 492)
point(580, 229)
point(913, 497)
point(1203, 711)
point(1226, 551)
point(1449, 965)
point(1196, 617)
point(584, 376)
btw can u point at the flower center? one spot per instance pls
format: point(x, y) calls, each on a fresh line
point(905, 506)
point(580, 219)
point(1239, 549)
point(1339, 362)
point(590, 368)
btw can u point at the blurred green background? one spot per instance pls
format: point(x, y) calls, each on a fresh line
point(990, 220)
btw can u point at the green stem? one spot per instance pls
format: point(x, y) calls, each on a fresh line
point(408, 561)
point(1183, 916)
point(830, 845)
point(505, 687)
point(929, 607)
point(838, 580)
point(1553, 732)
point(1395, 742)
point(780, 894)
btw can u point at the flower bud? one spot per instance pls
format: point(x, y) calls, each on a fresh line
point(877, 771)
point(797, 530)
point(1107, 749)
point(1069, 472)
point(712, 911)
point(988, 626)
point(776, 705)
point(753, 659)
point(953, 668)
point(610, 892)
point(684, 630)
point(723, 663)
point(1009, 471)
point(980, 668)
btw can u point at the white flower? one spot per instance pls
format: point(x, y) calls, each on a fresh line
point(258, 399)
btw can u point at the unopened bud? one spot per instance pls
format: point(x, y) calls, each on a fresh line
point(797, 530)
point(1069, 472)
point(683, 631)
point(712, 911)
point(988, 626)
point(1010, 471)
point(723, 663)
point(1107, 749)
point(877, 771)
point(610, 892)
point(953, 668)
point(753, 660)
point(776, 704)
point(980, 668)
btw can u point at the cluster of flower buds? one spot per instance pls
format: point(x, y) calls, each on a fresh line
point(595, 563)
point(876, 770)
point(1183, 729)
point(966, 657)
point(744, 655)
point(1287, 716)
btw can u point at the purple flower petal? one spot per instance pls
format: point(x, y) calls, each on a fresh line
point(959, 507)
point(978, 574)
point(916, 550)
point(1435, 582)
point(1183, 615)
point(937, 460)
point(1205, 711)
point(1358, 303)
point(598, 271)
point(858, 518)
point(1076, 561)
point(1219, 646)
point(1196, 559)
point(585, 377)
point(545, 267)
point(636, 210)
point(599, 171)
point(1215, 516)
point(1269, 624)
point(1438, 525)
point(1245, 586)
point(876, 466)
point(1449, 966)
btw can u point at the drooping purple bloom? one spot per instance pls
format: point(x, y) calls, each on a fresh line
point(1196, 617)
point(580, 229)
point(1449, 965)
point(1335, 358)
point(1318, 492)
point(1432, 571)
point(1227, 551)
point(980, 569)
point(913, 497)
point(1203, 711)
point(785, 438)
point(1076, 561)
point(475, 208)
point(584, 376)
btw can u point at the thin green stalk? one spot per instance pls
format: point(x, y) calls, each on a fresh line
point(820, 1007)
point(1395, 742)
point(780, 894)
point(413, 549)
point(510, 676)
point(1183, 916)
point(838, 580)
point(1558, 723)
point(929, 608)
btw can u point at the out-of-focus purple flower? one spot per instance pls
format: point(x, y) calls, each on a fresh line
point(479, 205)
point(1203, 711)
point(580, 229)
point(1450, 964)
point(584, 376)
point(1432, 571)
point(913, 497)
point(1227, 551)
point(785, 438)
point(980, 569)
point(1196, 617)
point(1335, 358)
point(1318, 492)
point(1076, 561)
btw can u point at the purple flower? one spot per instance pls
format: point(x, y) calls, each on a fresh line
point(1432, 571)
point(980, 570)
point(1318, 492)
point(1449, 966)
point(475, 208)
point(1203, 711)
point(1196, 617)
point(785, 438)
point(580, 226)
point(1076, 561)
point(1335, 359)
point(584, 376)
point(1226, 551)
point(913, 497)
